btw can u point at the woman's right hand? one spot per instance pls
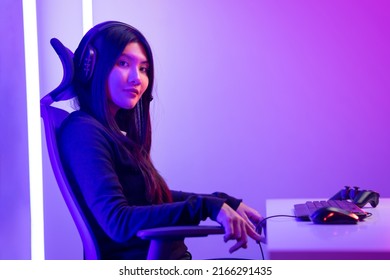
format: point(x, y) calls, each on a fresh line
point(236, 228)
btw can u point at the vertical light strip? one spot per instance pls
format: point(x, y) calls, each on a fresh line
point(34, 129)
point(87, 15)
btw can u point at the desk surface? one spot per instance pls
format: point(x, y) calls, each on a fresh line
point(288, 238)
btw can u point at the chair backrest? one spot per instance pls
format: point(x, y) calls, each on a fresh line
point(52, 119)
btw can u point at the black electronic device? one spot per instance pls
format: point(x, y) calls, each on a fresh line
point(333, 215)
point(86, 55)
point(303, 211)
point(357, 196)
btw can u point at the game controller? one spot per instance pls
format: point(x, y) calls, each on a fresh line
point(358, 197)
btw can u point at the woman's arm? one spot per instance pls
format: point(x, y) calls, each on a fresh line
point(87, 155)
point(229, 200)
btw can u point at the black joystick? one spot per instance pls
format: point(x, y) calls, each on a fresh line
point(364, 197)
point(358, 197)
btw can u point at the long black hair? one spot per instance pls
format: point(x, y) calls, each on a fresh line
point(94, 59)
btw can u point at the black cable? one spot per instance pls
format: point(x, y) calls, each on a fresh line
point(259, 228)
point(261, 251)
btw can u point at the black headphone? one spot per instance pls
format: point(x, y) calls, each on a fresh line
point(87, 61)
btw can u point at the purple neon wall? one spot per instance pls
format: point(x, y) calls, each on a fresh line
point(14, 188)
point(261, 99)
point(268, 99)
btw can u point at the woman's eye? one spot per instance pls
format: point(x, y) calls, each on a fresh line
point(123, 63)
point(144, 69)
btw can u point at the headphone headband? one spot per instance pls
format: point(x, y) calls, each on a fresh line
point(87, 60)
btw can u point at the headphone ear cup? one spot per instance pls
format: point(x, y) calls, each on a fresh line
point(87, 64)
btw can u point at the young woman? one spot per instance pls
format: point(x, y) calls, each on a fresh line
point(105, 149)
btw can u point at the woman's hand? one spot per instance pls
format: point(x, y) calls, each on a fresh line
point(238, 226)
point(249, 214)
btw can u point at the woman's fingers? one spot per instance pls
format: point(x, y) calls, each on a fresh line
point(241, 236)
point(246, 219)
point(252, 233)
point(239, 244)
point(233, 229)
point(249, 214)
point(238, 226)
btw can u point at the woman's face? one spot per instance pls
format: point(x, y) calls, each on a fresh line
point(128, 79)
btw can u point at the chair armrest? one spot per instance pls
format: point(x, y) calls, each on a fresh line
point(161, 239)
point(179, 232)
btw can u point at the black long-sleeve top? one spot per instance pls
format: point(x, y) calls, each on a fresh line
point(111, 191)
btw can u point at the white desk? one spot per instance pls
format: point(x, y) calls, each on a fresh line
point(288, 238)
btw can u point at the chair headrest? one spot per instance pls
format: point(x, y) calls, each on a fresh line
point(64, 91)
